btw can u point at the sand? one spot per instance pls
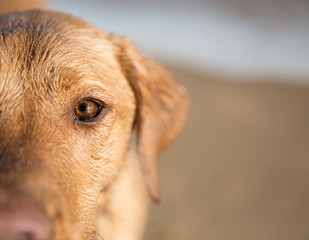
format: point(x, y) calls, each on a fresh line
point(241, 168)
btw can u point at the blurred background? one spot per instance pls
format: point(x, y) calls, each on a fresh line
point(241, 168)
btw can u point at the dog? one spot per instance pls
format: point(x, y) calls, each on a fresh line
point(74, 101)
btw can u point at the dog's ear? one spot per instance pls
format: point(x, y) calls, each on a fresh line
point(162, 107)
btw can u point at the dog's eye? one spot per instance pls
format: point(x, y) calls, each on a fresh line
point(86, 110)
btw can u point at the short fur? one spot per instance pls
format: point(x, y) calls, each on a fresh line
point(82, 174)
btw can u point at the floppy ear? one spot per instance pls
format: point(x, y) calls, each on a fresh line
point(162, 107)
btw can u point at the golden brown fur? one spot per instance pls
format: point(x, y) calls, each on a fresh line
point(83, 174)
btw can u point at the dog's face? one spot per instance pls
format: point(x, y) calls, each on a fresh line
point(69, 96)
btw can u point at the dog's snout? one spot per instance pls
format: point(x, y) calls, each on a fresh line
point(22, 219)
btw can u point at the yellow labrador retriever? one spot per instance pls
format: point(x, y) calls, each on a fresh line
point(70, 98)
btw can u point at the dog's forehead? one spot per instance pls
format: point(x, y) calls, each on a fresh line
point(50, 41)
point(48, 52)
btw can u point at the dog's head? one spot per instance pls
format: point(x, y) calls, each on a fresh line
point(70, 96)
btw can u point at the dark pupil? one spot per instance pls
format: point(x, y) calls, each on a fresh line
point(83, 107)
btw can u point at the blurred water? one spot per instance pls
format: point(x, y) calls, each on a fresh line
point(204, 36)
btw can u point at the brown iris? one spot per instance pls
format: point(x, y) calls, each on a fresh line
point(86, 110)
